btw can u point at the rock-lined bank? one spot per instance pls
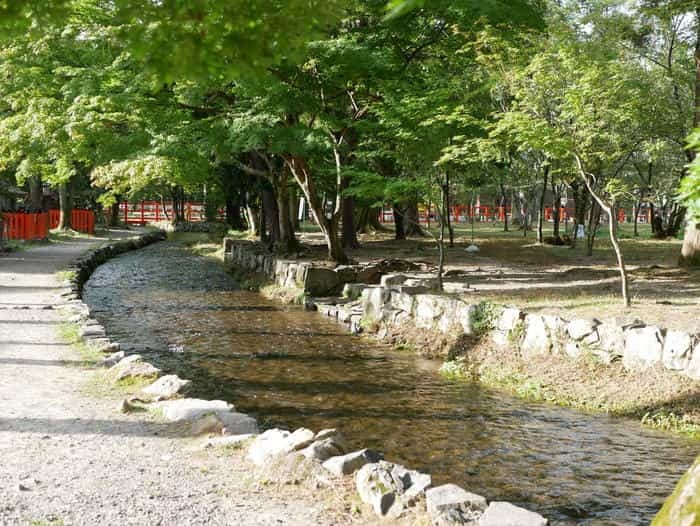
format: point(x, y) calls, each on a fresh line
point(380, 298)
point(321, 459)
point(396, 303)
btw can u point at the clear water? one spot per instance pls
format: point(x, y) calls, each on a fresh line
point(291, 368)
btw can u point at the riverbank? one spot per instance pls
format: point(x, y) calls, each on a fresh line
point(622, 367)
point(70, 457)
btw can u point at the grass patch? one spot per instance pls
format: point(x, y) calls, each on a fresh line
point(101, 384)
point(66, 275)
point(70, 334)
point(586, 384)
point(289, 295)
point(63, 236)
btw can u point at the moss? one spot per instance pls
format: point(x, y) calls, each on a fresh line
point(683, 505)
point(484, 317)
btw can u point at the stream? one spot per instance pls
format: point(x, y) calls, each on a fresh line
point(291, 368)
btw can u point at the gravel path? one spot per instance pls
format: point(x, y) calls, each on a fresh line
point(69, 458)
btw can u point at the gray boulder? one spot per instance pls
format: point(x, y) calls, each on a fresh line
point(509, 319)
point(231, 423)
point(112, 359)
point(693, 368)
point(536, 338)
point(449, 504)
point(279, 442)
point(91, 331)
point(269, 444)
point(167, 387)
point(347, 464)
point(390, 488)
point(676, 351)
point(579, 328)
point(321, 281)
point(192, 408)
point(611, 344)
point(506, 514)
point(373, 301)
point(321, 450)
point(392, 280)
point(133, 367)
point(643, 347)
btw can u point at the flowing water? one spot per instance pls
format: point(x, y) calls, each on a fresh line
point(293, 368)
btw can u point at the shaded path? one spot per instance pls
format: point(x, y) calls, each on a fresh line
point(74, 459)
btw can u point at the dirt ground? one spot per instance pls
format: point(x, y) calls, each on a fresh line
point(512, 269)
point(67, 457)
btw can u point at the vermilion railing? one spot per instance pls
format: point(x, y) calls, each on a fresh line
point(80, 220)
point(142, 212)
point(33, 227)
point(29, 227)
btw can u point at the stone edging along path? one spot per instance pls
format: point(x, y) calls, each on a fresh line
point(321, 458)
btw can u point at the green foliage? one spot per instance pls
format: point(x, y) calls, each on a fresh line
point(690, 185)
point(484, 317)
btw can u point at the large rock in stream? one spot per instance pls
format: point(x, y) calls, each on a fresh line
point(207, 416)
point(682, 508)
point(166, 387)
point(276, 443)
point(390, 488)
point(134, 366)
point(451, 505)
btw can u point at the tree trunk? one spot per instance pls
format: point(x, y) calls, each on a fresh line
point(328, 226)
point(580, 195)
point(593, 222)
point(515, 218)
point(444, 213)
point(251, 217)
point(504, 207)
point(36, 194)
point(612, 221)
point(294, 210)
point(114, 212)
point(556, 205)
point(271, 215)
point(637, 206)
point(65, 206)
point(234, 219)
point(446, 209)
point(540, 208)
point(349, 234)
point(287, 242)
point(399, 227)
point(690, 252)
point(412, 223)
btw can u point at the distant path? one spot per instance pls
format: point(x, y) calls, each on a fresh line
point(69, 458)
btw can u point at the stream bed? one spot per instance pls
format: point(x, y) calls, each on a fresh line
point(292, 368)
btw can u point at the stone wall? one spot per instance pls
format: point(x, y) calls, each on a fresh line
point(394, 300)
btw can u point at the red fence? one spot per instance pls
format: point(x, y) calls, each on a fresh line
point(32, 227)
point(458, 214)
point(80, 220)
point(143, 212)
point(29, 227)
point(485, 213)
